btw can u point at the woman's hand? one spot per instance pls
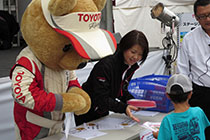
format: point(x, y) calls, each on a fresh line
point(129, 114)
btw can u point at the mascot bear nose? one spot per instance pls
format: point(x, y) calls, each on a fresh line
point(67, 47)
point(82, 65)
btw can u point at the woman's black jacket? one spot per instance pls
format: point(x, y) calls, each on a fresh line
point(107, 86)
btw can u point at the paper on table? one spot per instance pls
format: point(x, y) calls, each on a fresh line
point(69, 123)
point(146, 135)
point(84, 133)
point(154, 126)
point(145, 113)
point(110, 124)
point(128, 123)
point(103, 127)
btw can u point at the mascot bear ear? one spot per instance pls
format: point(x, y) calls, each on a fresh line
point(60, 7)
point(100, 4)
point(82, 29)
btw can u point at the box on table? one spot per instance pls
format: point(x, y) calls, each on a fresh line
point(152, 87)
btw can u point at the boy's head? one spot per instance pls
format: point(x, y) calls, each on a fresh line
point(178, 88)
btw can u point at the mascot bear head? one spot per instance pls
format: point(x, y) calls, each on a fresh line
point(64, 33)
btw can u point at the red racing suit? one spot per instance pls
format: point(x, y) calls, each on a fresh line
point(35, 89)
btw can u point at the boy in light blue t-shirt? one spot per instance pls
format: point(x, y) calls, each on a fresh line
point(185, 123)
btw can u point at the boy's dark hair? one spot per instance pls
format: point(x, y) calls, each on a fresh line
point(177, 95)
point(132, 38)
point(200, 3)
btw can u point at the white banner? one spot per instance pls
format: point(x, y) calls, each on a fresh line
point(129, 15)
point(143, 3)
point(187, 23)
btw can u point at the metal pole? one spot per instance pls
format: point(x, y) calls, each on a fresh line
point(9, 6)
point(17, 19)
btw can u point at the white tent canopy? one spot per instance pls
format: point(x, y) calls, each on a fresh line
point(135, 14)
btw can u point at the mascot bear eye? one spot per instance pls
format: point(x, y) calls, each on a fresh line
point(67, 47)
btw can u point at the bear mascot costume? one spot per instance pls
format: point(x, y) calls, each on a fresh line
point(61, 35)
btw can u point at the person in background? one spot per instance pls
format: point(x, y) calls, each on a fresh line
point(185, 123)
point(194, 57)
point(108, 81)
point(9, 27)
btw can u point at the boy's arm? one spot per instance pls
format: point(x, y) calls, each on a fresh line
point(155, 134)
